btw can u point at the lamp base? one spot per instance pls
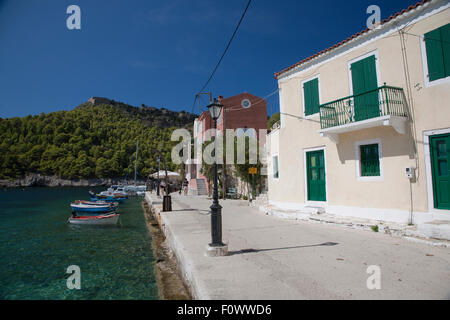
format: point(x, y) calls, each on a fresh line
point(216, 251)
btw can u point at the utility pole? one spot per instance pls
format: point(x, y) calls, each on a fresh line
point(224, 173)
point(198, 96)
point(197, 167)
point(135, 163)
point(159, 182)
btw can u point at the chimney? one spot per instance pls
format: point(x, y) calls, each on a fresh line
point(220, 99)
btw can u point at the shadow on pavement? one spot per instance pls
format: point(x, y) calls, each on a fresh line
point(230, 253)
point(205, 212)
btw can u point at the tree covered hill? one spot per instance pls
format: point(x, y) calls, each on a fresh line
point(95, 140)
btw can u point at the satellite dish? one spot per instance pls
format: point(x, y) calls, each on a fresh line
point(245, 103)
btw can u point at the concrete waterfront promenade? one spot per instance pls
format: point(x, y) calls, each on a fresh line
point(272, 258)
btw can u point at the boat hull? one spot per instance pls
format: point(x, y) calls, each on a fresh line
point(92, 208)
point(110, 219)
point(96, 203)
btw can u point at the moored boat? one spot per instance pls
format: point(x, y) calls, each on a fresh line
point(118, 193)
point(104, 219)
point(100, 197)
point(97, 203)
point(82, 207)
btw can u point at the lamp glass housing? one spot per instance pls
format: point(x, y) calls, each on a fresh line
point(215, 109)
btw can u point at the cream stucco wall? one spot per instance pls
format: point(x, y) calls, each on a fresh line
point(429, 107)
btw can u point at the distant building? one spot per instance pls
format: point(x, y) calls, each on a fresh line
point(240, 112)
point(100, 100)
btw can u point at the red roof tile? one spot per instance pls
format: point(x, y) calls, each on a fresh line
point(418, 4)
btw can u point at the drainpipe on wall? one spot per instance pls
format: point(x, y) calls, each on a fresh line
point(411, 114)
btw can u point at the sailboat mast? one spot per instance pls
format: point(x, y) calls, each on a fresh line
point(135, 164)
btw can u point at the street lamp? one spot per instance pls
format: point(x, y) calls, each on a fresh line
point(216, 247)
point(159, 182)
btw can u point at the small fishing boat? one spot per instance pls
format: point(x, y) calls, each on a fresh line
point(82, 207)
point(104, 219)
point(97, 203)
point(100, 197)
point(118, 193)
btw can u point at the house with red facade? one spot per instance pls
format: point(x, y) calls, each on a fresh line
point(240, 112)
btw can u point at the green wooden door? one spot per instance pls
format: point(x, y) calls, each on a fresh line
point(440, 167)
point(315, 171)
point(364, 78)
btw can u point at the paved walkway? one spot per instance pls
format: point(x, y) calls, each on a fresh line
point(272, 258)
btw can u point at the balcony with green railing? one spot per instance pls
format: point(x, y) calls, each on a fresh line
point(382, 106)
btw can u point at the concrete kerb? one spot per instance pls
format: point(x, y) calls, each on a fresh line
point(209, 278)
point(184, 263)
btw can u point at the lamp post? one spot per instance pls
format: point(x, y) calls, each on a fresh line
point(216, 247)
point(159, 182)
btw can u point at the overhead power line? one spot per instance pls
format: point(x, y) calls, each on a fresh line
point(224, 52)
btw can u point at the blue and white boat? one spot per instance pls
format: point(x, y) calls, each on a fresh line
point(97, 203)
point(83, 207)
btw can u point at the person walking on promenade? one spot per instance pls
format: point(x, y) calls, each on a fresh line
point(162, 187)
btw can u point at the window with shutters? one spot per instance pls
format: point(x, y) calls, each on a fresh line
point(311, 99)
point(369, 160)
point(437, 47)
point(275, 167)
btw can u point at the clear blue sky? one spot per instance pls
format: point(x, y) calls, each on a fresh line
point(160, 52)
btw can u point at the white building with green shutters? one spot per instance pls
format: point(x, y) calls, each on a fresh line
point(365, 124)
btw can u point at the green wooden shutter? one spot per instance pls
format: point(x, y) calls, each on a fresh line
point(435, 56)
point(307, 98)
point(371, 82)
point(315, 95)
point(445, 37)
point(311, 94)
point(364, 78)
point(370, 162)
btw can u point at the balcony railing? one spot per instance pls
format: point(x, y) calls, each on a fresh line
point(382, 101)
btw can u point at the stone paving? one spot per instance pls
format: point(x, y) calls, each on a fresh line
point(273, 258)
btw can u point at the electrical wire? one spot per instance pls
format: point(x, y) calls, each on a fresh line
point(419, 36)
point(224, 52)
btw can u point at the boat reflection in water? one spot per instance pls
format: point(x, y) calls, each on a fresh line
point(103, 219)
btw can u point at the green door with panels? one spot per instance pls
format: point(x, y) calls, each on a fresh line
point(315, 172)
point(364, 78)
point(440, 167)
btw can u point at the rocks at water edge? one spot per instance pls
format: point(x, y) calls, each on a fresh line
point(37, 180)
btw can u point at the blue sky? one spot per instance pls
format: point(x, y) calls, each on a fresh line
point(160, 52)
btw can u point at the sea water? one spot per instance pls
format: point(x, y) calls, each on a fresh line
point(37, 245)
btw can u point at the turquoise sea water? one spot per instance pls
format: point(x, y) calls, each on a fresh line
point(37, 245)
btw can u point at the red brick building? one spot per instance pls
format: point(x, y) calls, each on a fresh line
point(240, 113)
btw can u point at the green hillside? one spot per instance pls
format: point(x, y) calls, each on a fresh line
point(91, 141)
